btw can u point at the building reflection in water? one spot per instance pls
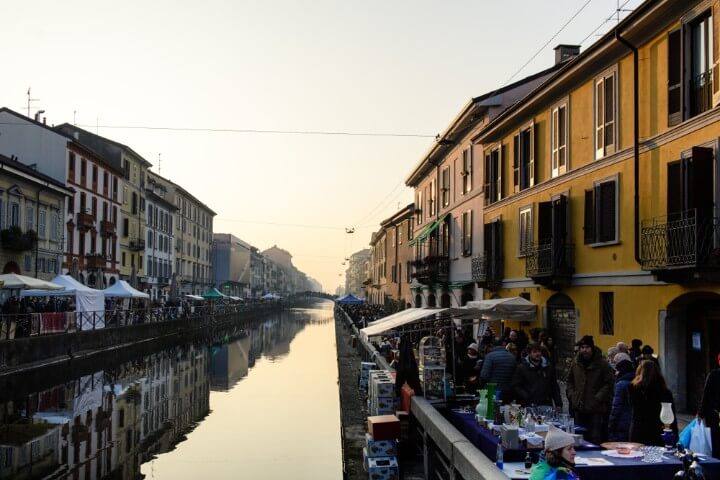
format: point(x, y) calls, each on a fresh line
point(106, 424)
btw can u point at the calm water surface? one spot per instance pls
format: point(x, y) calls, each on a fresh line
point(258, 404)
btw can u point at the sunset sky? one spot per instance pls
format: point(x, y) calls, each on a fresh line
point(403, 68)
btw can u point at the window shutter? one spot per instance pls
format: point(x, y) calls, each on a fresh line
point(486, 178)
point(589, 227)
point(674, 77)
point(502, 160)
point(531, 167)
point(599, 118)
point(545, 220)
point(516, 163)
point(700, 183)
point(674, 189)
point(716, 52)
point(606, 212)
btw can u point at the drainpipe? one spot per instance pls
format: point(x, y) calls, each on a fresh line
point(636, 145)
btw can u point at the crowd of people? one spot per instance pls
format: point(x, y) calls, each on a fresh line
point(361, 314)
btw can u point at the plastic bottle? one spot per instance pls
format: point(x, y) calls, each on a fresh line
point(499, 456)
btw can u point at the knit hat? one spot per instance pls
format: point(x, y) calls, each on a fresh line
point(619, 357)
point(473, 346)
point(557, 439)
point(587, 340)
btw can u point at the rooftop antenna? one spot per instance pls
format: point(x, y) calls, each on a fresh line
point(74, 117)
point(159, 163)
point(30, 100)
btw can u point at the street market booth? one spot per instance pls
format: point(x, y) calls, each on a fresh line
point(33, 323)
point(123, 289)
point(349, 299)
point(89, 312)
point(399, 319)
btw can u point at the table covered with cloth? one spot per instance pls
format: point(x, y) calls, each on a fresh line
point(487, 443)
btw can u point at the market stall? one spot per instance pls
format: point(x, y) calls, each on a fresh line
point(89, 309)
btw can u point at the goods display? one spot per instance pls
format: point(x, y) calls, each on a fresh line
point(431, 367)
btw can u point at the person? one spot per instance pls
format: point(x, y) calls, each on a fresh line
point(559, 461)
point(647, 354)
point(612, 351)
point(635, 351)
point(589, 389)
point(534, 382)
point(621, 410)
point(471, 368)
point(710, 408)
point(647, 391)
point(499, 367)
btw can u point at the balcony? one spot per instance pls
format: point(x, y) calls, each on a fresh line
point(432, 270)
point(95, 261)
point(701, 93)
point(487, 270)
point(107, 229)
point(682, 247)
point(137, 244)
point(550, 264)
point(85, 221)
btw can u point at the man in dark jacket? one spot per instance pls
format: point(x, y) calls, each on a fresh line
point(499, 367)
point(621, 412)
point(590, 389)
point(534, 382)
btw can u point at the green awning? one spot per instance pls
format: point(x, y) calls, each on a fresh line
point(213, 294)
point(458, 285)
point(422, 236)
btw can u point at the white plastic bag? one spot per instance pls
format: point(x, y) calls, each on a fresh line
point(700, 441)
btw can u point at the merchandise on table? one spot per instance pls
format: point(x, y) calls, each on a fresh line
point(379, 448)
point(431, 367)
point(433, 382)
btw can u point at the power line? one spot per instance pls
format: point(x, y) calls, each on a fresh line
point(608, 19)
point(548, 42)
point(297, 225)
point(380, 204)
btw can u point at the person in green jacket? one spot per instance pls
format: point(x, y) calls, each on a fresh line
point(559, 461)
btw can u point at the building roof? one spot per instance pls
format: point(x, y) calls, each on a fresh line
point(95, 139)
point(11, 164)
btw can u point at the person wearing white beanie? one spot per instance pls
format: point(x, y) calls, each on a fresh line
point(559, 461)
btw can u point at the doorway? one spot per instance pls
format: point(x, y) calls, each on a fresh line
point(562, 324)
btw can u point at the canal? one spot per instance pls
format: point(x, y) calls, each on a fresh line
point(259, 403)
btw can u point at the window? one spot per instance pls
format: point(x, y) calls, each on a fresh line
point(418, 207)
point(493, 190)
point(83, 171)
point(28, 263)
point(29, 214)
point(526, 231)
point(552, 224)
point(605, 113)
point(94, 177)
point(114, 188)
point(83, 202)
point(54, 226)
point(467, 233)
point(398, 234)
point(126, 227)
point(106, 179)
point(71, 166)
point(14, 214)
point(607, 313)
point(93, 210)
point(445, 188)
point(690, 186)
point(444, 244)
point(134, 203)
point(466, 170)
point(431, 198)
point(410, 229)
point(558, 140)
point(601, 212)
point(492, 236)
point(524, 159)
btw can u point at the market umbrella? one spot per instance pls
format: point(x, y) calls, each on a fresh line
point(13, 281)
point(213, 294)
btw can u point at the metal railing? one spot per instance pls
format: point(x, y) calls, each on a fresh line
point(432, 269)
point(701, 93)
point(555, 258)
point(22, 325)
point(487, 269)
point(683, 239)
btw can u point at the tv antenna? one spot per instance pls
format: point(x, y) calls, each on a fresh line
point(30, 99)
point(159, 163)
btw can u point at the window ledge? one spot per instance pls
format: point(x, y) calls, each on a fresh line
point(604, 244)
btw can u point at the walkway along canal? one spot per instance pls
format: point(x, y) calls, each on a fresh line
point(253, 402)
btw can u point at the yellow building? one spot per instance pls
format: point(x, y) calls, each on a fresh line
point(600, 190)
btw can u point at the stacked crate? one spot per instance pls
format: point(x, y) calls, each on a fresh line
point(381, 393)
point(380, 451)
point(365, 368)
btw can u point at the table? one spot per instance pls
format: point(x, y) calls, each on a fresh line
point(622, 469)
point(487, 443)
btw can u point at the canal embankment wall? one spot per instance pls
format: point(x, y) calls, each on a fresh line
point(443, 451)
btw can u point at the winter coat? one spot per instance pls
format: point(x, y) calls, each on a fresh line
point(543, 471)
point(621, 411)
point(499, 367)
point(590, 386)
point(645, 426)
point(710, 408)
point(536, 384)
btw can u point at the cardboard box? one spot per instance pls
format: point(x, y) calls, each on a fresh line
point(379, 448)
point(384, 427)
point(383, 468)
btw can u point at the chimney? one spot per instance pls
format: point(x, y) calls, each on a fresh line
point(565, 52)
point(44, 120)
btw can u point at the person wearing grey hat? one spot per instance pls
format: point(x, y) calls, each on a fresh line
point(559, 461)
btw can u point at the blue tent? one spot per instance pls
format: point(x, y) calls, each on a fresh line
point(349, 299)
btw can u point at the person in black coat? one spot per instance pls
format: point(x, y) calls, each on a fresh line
point(710, 408)
point(534, 381)
point(621, 410)
point(647, 391)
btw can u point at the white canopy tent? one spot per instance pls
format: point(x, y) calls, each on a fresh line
point(87, 300)
point(195, 297)
point(398, 319)
point(122, 289)
point(13, 281)
point(511, 308)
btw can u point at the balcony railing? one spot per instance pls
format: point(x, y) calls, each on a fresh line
point(107, 228)
point(701, 93)
point(137, 244)
point(682, 242)
point(550, 264)
point(85, 221)
point(487, 270)
point(95, 261)
point(432, 269)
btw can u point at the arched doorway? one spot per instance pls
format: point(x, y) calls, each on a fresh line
point(445, 300)
point(418, 301)
point(431, 300)
point(11, 267)
point(689, 345)
point(562, 322)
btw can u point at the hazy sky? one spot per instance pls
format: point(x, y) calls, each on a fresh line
point(387, 66)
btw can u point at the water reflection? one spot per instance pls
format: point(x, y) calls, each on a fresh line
point(108, 423)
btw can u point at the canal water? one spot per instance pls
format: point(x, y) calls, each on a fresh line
point(258, 403)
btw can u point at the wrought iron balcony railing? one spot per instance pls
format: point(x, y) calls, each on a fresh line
point(95, 260)
point(684, 240)
point(701, 93)
point(107, 228)
point(85, 221)
point(550, 263)
point(432, 269)
point(137, 244)
point(487, 270)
